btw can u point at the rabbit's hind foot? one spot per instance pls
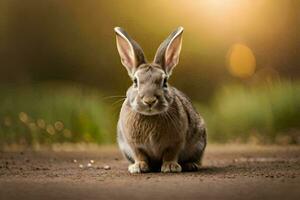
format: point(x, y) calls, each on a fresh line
point(190, 166)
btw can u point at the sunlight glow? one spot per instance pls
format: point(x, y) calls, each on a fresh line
point(241, 61)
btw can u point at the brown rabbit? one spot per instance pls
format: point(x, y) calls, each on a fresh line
point(158, 128)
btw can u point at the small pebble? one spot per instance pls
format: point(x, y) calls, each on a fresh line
point(106, 167)
point(92, 161)
point(81, 166)
point(89, 165)
point(74, 161)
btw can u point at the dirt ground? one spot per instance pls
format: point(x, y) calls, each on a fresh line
point(229, 172)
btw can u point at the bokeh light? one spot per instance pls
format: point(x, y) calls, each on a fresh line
point(59, 126)
point(241, 61)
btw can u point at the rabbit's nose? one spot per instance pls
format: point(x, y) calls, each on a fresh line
point(150, 101)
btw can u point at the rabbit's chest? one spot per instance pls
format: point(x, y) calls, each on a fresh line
point(154, 137)
point(153, 143)
point(151, 132)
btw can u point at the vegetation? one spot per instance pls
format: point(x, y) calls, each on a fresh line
point(50, 114)
point(54, 114)
point(267, 114)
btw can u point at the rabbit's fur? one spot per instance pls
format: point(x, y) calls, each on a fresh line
point(158, 128)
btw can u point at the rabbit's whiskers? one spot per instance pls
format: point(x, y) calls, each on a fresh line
point(118, 101)
point(111, 97)
point(119, 98)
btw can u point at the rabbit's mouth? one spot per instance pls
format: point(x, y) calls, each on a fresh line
point(156, 108)
point(151, 111)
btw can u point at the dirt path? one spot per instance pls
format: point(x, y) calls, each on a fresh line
point(229, 172)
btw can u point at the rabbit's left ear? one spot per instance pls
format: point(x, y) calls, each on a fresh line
point(130, 51)
point(167, 54)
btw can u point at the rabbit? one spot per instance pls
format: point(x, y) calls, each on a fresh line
point(158, 127)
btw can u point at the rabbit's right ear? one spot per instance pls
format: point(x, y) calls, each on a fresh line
point(167, 54)
point(130, 52)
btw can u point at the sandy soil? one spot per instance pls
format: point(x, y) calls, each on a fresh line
point(229, 172)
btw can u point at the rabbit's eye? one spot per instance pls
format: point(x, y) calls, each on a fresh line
point(165, 85)
point(135, 83)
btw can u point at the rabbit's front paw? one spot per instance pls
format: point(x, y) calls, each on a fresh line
point(170, 167)
point(138, 167)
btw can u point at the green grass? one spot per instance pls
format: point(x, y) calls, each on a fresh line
point(48, 114)
point(269, 113)
point(54, 114)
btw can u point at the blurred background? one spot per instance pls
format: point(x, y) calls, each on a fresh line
point(61, 79)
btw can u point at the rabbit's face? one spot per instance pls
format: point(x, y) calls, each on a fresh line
point(149, 94)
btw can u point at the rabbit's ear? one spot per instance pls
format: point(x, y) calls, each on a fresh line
point(130, 52)
point(167, 54)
